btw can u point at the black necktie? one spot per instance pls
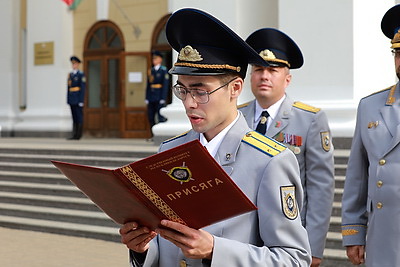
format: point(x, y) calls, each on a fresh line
point(262, 125)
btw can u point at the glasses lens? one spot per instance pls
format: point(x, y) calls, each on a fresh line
point(201, 96)
point(180, 92)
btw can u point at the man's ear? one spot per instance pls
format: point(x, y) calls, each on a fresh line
point(236, 88)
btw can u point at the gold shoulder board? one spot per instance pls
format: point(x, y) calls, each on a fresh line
point(305, 107)
point(263, 143)
point(175, 137)
point(243, 105)
point(383, 90)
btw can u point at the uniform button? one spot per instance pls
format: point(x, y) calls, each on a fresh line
point(182, 263)
point(379, 183)
point(382, 162)
point(379, 205)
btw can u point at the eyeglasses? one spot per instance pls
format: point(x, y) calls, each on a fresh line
point(199, 95)
point(396, 52)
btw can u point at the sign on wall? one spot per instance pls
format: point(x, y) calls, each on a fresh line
point(44, 53)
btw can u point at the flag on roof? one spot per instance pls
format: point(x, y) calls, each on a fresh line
point(72, 4)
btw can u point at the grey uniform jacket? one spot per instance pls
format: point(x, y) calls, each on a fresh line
point(305, 130)
point(370, 207)
point(266, 237)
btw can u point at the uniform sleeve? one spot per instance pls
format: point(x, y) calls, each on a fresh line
point(319, 182)
point(354, 202)
point(83, 88)
point(165, 85)
point(148, 89)
point(285, 240)
point(149, 259)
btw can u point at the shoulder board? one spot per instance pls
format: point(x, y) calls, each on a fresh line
point(175, 137)
point(380, 91)
point(263, 143)
point(244, 105)
point(303, 106)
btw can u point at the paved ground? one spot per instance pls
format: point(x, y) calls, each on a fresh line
point(35, 249)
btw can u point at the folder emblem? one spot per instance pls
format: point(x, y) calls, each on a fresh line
point(181, 174)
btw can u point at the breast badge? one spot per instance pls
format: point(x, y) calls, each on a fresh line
point(373, 124)
point(325, 141)
point(289, 204)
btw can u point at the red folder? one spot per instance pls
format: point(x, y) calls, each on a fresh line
point(184, 184)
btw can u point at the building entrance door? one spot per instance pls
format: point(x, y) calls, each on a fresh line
point(104, 45)
point(103, 96)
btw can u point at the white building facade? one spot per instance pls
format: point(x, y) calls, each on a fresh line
point(346, 57)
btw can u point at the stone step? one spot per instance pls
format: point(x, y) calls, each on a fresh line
point(46, 178)
point(338, 195)
point(85, 160)
point(334, 240)
point(336, 208)
point(56, 214)
point(28, 167)
point(340, 169)
point(65, 228)
point(77, 203)
point(339, 181)
point(43, 189)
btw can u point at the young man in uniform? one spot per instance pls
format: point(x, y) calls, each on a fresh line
point(370, 205)
point(211, 66)
point(302, 128)
point(76, 97)
point(157, 89)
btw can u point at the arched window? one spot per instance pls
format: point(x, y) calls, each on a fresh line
point(104, 36)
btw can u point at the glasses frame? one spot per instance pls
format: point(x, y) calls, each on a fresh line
point(396, 52)
point(196, 89)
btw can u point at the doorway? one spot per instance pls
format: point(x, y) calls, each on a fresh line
point(104, 45)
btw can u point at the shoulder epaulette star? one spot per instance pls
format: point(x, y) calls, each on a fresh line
point(263, 143)
point(243, 105)
point(303, 106)
point(175, 137)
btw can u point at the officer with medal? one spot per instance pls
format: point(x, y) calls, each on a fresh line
point(370, 205)
point(302, 128)
point(76, 97)
point(211, 66)
point(157, 89)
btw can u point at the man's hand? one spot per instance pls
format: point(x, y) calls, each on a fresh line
point(135, 237)
point(316, 262)
point(195, 244)
point(356, 254)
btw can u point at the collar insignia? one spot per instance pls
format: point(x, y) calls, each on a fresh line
point(188, 53)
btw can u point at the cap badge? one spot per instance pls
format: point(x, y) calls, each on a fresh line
point(396, 38)
point(267, 55)
point(188, 53)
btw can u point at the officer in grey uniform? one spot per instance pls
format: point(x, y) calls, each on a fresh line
point(370, 207)
point(302, 128)
point(211, 66)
